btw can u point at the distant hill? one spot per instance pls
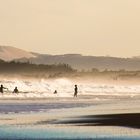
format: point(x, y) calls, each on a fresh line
point(9, 53)
point(77, 61)
point(88, 62)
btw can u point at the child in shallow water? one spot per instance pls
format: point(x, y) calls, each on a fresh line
point(16, 90)
point(2, 87)
point(55, 92)
point(75, 91)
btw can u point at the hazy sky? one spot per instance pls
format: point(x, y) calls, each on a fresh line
point(90, 27)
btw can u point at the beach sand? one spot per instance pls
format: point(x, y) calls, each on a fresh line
point(71, 118)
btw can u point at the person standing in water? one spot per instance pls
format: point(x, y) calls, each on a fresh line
point(55, 92)
point(75, 91)
point(2, 87)
point(15, 90)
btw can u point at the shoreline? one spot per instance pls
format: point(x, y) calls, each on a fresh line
point(90, 119)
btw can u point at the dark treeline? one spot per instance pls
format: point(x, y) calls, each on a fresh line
point(113, 74)
point(107, 71)
point(59, 70)
point(23, 67)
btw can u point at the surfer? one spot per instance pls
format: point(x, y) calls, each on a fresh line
point(2, 87)
point(55, 92)
point(15, 90)
point(75, 91)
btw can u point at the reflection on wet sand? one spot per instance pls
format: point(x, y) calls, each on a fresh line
point(125, 120)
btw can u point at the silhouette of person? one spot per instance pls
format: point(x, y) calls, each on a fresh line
point(75, 91)
point(55, 92)
point(1, 88)
point(15, 90)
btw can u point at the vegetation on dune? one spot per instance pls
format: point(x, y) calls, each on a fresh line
point(60, 70)
point(27, 68)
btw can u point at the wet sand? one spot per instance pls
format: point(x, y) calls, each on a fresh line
point(131, 120)
point(72, 118)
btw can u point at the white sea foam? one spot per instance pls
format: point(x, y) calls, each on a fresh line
point(65, 88)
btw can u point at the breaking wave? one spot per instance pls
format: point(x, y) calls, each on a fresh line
point(65, 88)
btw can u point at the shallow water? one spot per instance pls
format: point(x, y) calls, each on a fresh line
point(65, 88)
point(6, 108)
point(33, 133)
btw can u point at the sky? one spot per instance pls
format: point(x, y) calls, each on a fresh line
point(88, 27)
